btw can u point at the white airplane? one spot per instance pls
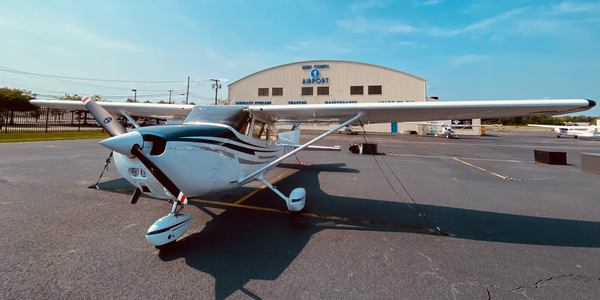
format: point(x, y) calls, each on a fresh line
point(448, 130)
point(584, 132)
point(218, 148)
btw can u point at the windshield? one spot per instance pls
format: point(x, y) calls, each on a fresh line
point(230, 115)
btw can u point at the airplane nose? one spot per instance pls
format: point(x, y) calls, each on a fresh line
point(123, 143)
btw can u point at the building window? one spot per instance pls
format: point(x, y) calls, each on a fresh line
point(356, 90)
point(307, 91)
point(278, 91)
point(374, 90)
point(263, 91)
point(322, 90)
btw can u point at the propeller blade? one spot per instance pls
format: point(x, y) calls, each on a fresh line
point(158, 174)
point(103, 117)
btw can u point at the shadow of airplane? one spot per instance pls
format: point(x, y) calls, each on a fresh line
point(240, 245)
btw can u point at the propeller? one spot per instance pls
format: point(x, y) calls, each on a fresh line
point(104, 118)
point(129, 143)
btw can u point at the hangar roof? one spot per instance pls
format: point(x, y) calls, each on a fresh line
point(320, 61)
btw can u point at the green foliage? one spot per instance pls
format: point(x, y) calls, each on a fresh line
point(12, 100)
point(16, 100)
point(74, 97)
point(538, 119)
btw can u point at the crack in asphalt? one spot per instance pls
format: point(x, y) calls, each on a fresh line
point(536, 285)
point(519, 290)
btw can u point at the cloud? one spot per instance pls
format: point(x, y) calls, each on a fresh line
point(432, 2)
point(97, 41)
point(573, 7)
point(4, 22)
point(364, 5)
point(330, 45)
point(217, 57)
point(469, 58)
point(360, 25)
point(478, 25)
point(364, 25)
point(412, 44)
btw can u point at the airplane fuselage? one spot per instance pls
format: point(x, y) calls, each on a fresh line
point(215, 156)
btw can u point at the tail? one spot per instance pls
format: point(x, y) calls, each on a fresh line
point(292, 136)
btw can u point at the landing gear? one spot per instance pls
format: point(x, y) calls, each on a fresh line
point(295, 202)
point(169, 228)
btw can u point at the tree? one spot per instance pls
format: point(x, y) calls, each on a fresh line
point(73, 97)
point(162, 102)
point(148, 101)
point(131, 100)
point(12, 100)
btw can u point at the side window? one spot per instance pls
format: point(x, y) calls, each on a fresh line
point(264, 131)
point(272, 136)
point(244, 125)
point(260, 130)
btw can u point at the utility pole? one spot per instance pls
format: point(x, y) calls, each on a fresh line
point(134, 95)
point(170, 91)
point(216, 86)
point(188, 91)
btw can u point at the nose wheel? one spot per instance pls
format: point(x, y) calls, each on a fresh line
point(169, 228)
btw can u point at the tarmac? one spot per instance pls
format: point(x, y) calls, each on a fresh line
point(427, 218)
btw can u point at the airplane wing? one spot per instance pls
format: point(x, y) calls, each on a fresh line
point(149, 110)
point(558, 126)
point(416, 111)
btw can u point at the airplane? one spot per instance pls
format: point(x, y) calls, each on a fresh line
point(218, 148)
point(584, 132)
point(448, 130)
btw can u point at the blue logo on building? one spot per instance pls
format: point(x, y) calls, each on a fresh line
point(314, 73)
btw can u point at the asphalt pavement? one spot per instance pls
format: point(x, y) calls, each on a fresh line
point(513, 229)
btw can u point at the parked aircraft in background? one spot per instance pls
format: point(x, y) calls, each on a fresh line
point(449, 130)
point(218, 148)
point(584, 132)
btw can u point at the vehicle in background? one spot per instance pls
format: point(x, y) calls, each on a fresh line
point(348, 130)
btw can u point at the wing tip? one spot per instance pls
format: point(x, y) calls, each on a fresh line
point(591, 103)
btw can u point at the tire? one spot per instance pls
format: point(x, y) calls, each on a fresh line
point(166, 246)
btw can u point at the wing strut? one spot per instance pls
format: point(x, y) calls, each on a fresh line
point(252, 176)
point(126, 115)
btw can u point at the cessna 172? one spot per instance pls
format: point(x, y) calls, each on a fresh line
point(218, 148)
point(448, 130)
point(584, 132)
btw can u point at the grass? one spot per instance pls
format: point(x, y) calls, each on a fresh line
point(50, 136)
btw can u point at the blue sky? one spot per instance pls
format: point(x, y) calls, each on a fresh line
point(467, 50)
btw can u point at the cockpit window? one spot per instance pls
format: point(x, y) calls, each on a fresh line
point(223, 114)
point(264, 131)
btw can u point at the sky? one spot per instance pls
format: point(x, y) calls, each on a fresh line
point(467, 50)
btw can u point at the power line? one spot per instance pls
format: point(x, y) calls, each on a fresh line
point(5, 69)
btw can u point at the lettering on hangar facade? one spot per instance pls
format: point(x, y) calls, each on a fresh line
point(315, 74)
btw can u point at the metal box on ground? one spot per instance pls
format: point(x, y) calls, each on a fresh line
point(368, 148)
point(590, 162)
point(550, 157)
